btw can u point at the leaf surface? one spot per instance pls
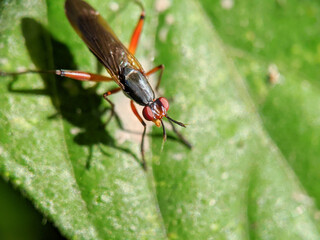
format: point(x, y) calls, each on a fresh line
point(85, 177)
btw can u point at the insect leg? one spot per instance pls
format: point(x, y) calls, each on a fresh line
point(82, 76)
point(134, 110)
point(73, 74)
point(105, 96)
point(136, 34)
point(161, 68)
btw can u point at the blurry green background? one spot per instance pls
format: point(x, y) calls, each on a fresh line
point(243, 74)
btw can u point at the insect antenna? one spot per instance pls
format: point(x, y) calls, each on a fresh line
point(176, 122)
point(182, 138)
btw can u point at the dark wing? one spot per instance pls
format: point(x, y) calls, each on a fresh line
point(100, 38)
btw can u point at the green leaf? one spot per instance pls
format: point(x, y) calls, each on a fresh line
point(86, 178)
point(18, 213)
point(235, 183)
point(51, 129)
point(284, 34)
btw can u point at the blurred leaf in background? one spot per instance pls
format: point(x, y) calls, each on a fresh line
point(19, 220)
point(285, 34)
point(253, 170)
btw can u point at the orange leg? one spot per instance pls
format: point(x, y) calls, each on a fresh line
point(134, 110)
point(73, 74)
point(105, 96)
point(82, 76)
point(161, 68)
point(136, 34)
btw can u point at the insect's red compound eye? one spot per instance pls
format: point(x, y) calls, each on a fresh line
point(147, 113)
point(164, 102)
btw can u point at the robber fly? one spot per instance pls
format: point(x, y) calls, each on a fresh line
point(122, 66)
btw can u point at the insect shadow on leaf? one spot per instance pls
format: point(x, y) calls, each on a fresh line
point(81, 107)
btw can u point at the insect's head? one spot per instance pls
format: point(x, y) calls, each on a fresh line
point(156, 110)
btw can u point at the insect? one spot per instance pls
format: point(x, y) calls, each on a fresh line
point(122, 66)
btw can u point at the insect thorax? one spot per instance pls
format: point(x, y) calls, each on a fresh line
point(136, 86)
